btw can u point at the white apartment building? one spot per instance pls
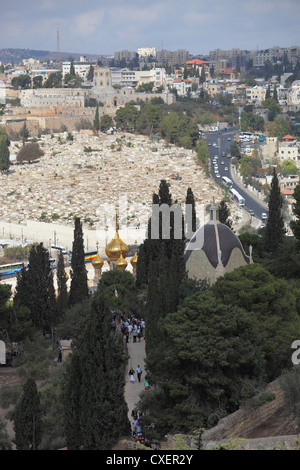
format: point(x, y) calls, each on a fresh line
point(183, 86)
point(256, 94)
point(81, 68)
point(293, 97)
point(289, 151)
point(134, 78)
point(146, 51)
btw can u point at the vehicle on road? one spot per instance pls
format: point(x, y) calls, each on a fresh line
point(251, 212)
point(227, 181)
point(226, 168)
point(237, 197)
point(264, 216)
point(222, 162)
point(10, 269)
point(59, 248)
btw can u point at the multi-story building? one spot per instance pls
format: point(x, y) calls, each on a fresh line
point(127, 56)
point(147, 52)
point(81, 68)
point(183, 86)
point(49, 97)
point(256, 94)
point(261, 57)
point(293, 96)
point(134, 78)
point(288, 149)
point(172, 58)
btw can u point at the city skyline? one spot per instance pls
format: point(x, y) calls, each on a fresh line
point(94, 27)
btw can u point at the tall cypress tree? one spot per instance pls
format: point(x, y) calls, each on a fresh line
point(190, 200)
point(79, 284)
point(27, 419)
point(35, 288)
point(4, 154)
point(102, 412)
point(62, 296)
point(275, 230)
point(96, 123)
point(224, 214)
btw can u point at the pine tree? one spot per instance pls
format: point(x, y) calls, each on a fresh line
point(79, 284)
point(27, 419)
point(62, 297)
point(275, 96)
point(4, 154)
point(99, 382)
point(275, 230)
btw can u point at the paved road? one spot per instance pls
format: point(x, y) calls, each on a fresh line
point(223, 140)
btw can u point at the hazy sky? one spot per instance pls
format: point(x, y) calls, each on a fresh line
point(103, 27)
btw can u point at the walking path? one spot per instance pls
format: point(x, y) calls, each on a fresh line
point(136, 353)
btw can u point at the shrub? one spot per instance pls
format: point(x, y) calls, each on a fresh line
point(29, 152)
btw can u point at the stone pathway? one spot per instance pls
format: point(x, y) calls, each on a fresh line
point(136, 352)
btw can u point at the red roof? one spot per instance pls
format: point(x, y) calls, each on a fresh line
point(287, 192)
point(229, 70)
point(179, 80)
point(196, 61)
point(288, 137)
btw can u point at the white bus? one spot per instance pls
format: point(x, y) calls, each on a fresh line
point(237, 197)
point(59, 248)
point(227, 181)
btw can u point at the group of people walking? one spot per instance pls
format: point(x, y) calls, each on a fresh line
point(133, 328)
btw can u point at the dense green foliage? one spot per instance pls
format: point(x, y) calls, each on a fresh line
point(275, 230)
point(62, 289)
point(35, 289)
point(79, 286)
point(27, 419)
point(218, 346)
point(94, 404)
point(4, 154)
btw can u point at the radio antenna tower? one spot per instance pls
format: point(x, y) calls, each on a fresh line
point(58, 46)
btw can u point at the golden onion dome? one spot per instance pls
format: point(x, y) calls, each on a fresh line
point(121, 263)
point(66, 276)
point(134, 259)
point(97, 262)
point(114, 248)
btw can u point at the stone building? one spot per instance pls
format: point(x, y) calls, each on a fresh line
point(104, 92)
point(214, 250)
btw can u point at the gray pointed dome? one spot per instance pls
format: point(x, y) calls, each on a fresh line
point(214, 250)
